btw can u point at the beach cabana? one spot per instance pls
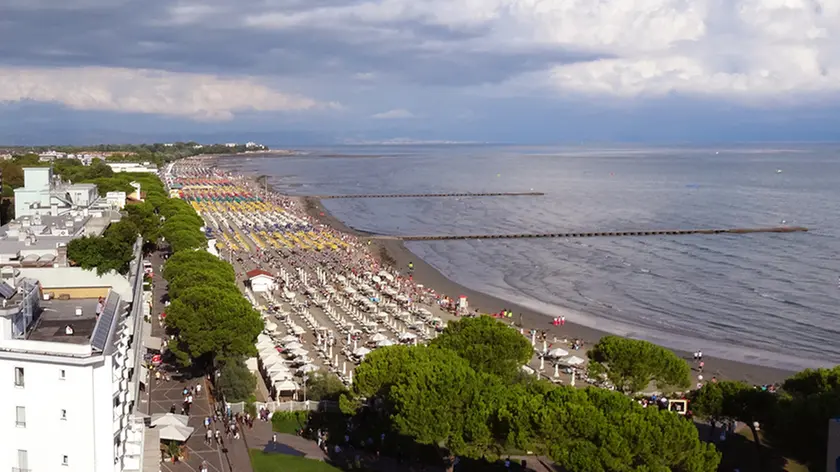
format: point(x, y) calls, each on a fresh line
point(285, 386)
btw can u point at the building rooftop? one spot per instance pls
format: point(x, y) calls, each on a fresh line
point(57, 314)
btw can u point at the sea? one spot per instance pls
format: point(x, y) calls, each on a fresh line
point(768, 299)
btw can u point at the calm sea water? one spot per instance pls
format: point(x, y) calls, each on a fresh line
point(770, 299)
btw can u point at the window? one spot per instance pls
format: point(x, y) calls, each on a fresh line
point(62, 374)
point(64, 415)
point(19, 377)
point(20, 416)
point(65, 460)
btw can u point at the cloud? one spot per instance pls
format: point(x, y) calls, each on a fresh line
point(146, 91)
point(396, 114)
point(209, 59)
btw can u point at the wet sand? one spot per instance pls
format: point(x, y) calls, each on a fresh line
point(395, 253)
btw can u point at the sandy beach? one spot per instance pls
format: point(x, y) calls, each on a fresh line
point(395, 253)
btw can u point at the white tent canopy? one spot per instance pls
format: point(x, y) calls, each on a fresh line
point(176, 433)
point(163, 419)
point(285, 386)
point(280, 376)
point(306, 368)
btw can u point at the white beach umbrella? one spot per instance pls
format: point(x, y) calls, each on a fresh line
point(574, 360)
point(306, 368)
point(270, 326)
point(557, 352)
point(408, 336)
point(289, 338)
point(361, 352)
point(298, 330)
point(294, 345)
point(378, 337)
point(385, 342)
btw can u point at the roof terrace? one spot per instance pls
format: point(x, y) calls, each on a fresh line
point(56, 315)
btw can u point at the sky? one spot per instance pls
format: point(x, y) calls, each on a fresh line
point(343, 71)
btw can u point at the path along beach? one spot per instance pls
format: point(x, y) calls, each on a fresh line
point(394, 252)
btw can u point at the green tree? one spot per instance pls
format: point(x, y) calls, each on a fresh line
point(324, 386)
point(600, 430)
point(799, 426)
point(631, 364)
point(147, 221)
point(192, 262)
point(213, 324)
point(488, 345)
point(433, 396)
point(236, 383)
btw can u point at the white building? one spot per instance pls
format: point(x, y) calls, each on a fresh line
point(73, 376)
point(43, 194)
point(261, 281)
point(132, 167)
point(116, 199)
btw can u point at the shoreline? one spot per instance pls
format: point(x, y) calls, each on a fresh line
point(395, 253)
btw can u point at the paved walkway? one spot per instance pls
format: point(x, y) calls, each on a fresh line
point(164, 394)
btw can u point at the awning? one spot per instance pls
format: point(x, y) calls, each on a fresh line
point(152, 342)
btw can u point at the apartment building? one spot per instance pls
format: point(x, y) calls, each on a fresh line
point(71, 346)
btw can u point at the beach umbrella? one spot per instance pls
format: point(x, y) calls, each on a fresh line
point(557, 352)
point(361, 352)
point(289, 338)
point(378, 337)
point(574, 360)
point(294, 345)
point(406, 336)
point(385, 342)
point(307, 368)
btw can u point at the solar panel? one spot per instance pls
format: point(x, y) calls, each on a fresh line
point(106, 319)
point(7, 291)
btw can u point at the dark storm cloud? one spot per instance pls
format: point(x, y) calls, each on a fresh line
point(210, 37)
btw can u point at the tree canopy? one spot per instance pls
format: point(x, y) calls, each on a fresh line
point(434, 396)
point(235, 382)
point(799, 422)
point(631, 364)
point(212, 323)
point(488, 346)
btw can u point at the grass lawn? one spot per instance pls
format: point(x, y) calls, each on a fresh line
point(289, 423)
point(272, 462)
